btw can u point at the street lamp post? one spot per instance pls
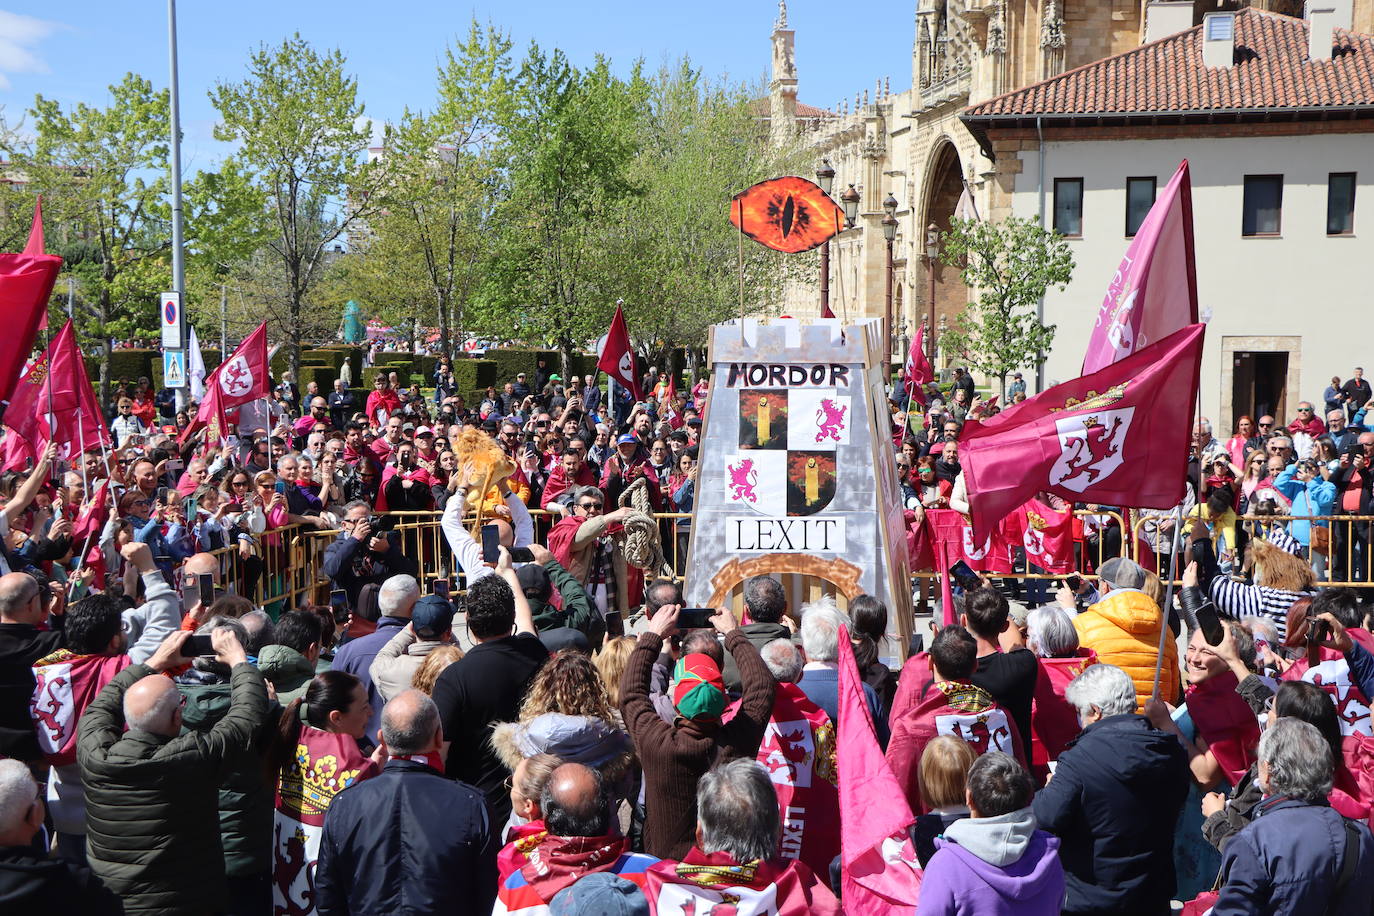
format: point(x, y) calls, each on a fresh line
point(889, 235)
point(932, 254)
point(825, 177)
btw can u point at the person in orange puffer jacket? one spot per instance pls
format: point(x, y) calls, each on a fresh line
point(1123, 628)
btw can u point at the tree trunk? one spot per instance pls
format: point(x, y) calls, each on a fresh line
point(444, 343)
point(294, 337)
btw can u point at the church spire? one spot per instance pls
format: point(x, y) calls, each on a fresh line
point(783, 86)
point(782, 15)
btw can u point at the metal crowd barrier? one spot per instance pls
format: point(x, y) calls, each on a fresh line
point(285, 569)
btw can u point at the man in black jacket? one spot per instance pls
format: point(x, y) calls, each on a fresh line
point(408, 840)
point(22, 609)
point(360, 555)
point(29, 881)
point(1114, 800)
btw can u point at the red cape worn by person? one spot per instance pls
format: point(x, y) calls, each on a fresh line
point(1054, 723)
point(1226, 722)
point(956, 708)
point(66, 685)
point(1118, 437)
point(798, 751)
point(1046, 534)
point(715, 883)
point(325, 764)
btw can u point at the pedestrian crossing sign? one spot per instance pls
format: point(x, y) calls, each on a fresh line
point(174, 368)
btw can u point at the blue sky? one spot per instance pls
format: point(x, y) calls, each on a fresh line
point(73, 50)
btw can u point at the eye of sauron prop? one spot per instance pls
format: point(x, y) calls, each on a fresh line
point(786, 214)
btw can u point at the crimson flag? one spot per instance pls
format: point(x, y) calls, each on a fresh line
point(35, 246)
point(1119, 437)
point(1154, 290)
point(239, 379)
point(65, 684)
point(617, 359)
point(918, 370)
point(1046, 533)
point(26, 282)
point(879, 873)
point(54, 400)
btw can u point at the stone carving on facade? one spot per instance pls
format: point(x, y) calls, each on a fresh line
point(1052, 40)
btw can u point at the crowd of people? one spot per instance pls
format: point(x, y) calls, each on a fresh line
point(515, 719)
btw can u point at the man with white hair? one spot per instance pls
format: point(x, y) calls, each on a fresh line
point(1114, 801)
point(151, 792)
point(820, 680)
point(29, 881)
point(1298, 855)
point(396, 600)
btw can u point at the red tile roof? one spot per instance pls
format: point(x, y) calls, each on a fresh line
point(1167, 77)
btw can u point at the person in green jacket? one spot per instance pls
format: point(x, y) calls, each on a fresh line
point(245, 794)
point(540, 578)
point(293, 659)
point(152, 794)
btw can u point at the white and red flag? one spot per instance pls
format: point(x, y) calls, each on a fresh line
point(239, 379)
point(1118, 437)
point(917, 370)
point(617, 358)
point(1154, 290)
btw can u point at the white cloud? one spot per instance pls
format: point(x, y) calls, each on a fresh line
point(19, 38)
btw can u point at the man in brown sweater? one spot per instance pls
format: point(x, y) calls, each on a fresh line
point(676, 756)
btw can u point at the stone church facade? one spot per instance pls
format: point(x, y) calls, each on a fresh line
point(913, 146)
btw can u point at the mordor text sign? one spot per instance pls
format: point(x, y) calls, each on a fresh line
point(796, 464)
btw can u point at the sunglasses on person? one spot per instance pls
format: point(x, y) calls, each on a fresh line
point(1264, 425)
point(588, 507)
point(1304, 410)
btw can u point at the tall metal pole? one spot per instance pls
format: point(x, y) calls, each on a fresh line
point(178, 264)
point(223, 321)
point(825, 279)
point(887, 310)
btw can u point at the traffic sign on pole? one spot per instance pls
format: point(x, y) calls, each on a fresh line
point(169, 312)
point(173, 368)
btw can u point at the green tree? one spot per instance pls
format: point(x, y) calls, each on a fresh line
point(1010, 264)
point(300, 131)
point(572, 138)
point(671, 249)
point(103, 176)
point(440, 180)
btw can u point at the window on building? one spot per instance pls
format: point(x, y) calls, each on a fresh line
point(1068, 206)
point(1140, 197)
point(1263, 205)
point(1340, 203)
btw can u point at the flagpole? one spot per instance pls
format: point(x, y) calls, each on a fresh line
point(1164, 631)
point(740, 271)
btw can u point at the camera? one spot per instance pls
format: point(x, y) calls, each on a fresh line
point(381, 523)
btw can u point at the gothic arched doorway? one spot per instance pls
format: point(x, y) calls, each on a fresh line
point(943, 187)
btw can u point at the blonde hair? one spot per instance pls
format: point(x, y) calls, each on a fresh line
point(538, 769)
point(611, 662)
point(943, 772)
point(1153, 586)
point(569, 684)
point(433, 665)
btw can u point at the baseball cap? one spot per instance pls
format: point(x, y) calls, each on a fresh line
point(534, 581)
point(627, 439)
point(424, 431)
point(600, 893)
point(555, 377)
point(1120, 572)
point(432, 615)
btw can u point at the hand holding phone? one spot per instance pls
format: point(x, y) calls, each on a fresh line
point(695, 618)
point(964, 576)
